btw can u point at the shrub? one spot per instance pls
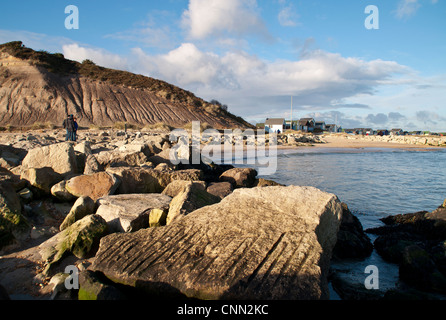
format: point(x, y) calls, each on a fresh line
point(160, 126)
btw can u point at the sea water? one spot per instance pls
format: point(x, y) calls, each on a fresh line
point(374, 183)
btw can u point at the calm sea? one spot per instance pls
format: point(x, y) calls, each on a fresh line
point(374, 183)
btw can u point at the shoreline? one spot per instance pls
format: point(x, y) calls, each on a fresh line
point(330, 141)
point(360, 143)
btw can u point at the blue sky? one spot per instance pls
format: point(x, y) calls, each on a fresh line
point(254, 55)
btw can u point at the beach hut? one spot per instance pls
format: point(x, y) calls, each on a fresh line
point(306, 124)
point(320, 125)
point(396, 132)
point(274, 125)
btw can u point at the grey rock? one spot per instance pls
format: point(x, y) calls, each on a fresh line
point(80, 239)
point(240, 177)
point(260, 243)
point(91, 287)
point(81, 208)
point(92, 165)
point(352, 242)
point(220, 189)
point(60, 192)
point(131, 212)
point(61, 157)
point(178, 186)
point(42, 179)
point(190, 197)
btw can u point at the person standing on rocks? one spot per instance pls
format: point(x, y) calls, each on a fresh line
point(69, 125)
point(76, 126)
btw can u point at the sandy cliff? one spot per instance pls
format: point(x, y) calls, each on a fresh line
point(30, 93)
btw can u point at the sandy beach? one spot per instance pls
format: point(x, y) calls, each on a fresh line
point(337, 141)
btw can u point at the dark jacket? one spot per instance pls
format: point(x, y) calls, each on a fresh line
point(69, 124)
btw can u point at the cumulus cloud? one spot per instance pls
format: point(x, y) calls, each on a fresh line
point(378, 119)
point(381, 119)
point(429, 118)
point(187, 67)
point(206, 18)
point(259, 88)
point(248, 84)
point(99, 56)
point(396, 116)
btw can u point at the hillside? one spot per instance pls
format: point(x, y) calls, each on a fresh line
point(39, 87)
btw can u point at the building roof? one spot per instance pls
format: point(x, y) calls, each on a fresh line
point(304, 122)
point(275, 121)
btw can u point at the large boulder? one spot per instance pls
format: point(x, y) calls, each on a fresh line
point(352, 242)
point(148, 180)
point(220, 189)
point(419, 269)
point(61, 157)
point(240, 177)
point(131, 212)
point(80, 239)
point(95, 185)
point(177, 186)
point(190, 197)
point(13, 225)
point(119, 159)
point(83, 147)
point(60, 192)
point(92, 288)
point(92, 165)
point(416, 242)
point(261, 243)
point(43, 179)
point(81, 208)
point(140, 180)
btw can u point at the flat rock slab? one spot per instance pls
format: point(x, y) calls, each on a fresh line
point(60, 157)
point(260, 243)
point(131, 212)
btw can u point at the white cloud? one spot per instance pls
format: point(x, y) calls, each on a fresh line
point(99, 56)
point(408, 8)
point(250, 85)
point(429, 117)
point(206, 18)
point(288, 16)
point(187, 67)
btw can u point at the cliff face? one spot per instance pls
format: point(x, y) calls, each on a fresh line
point(30, 93)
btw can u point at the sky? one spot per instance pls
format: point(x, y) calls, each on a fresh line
point(257, 56)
